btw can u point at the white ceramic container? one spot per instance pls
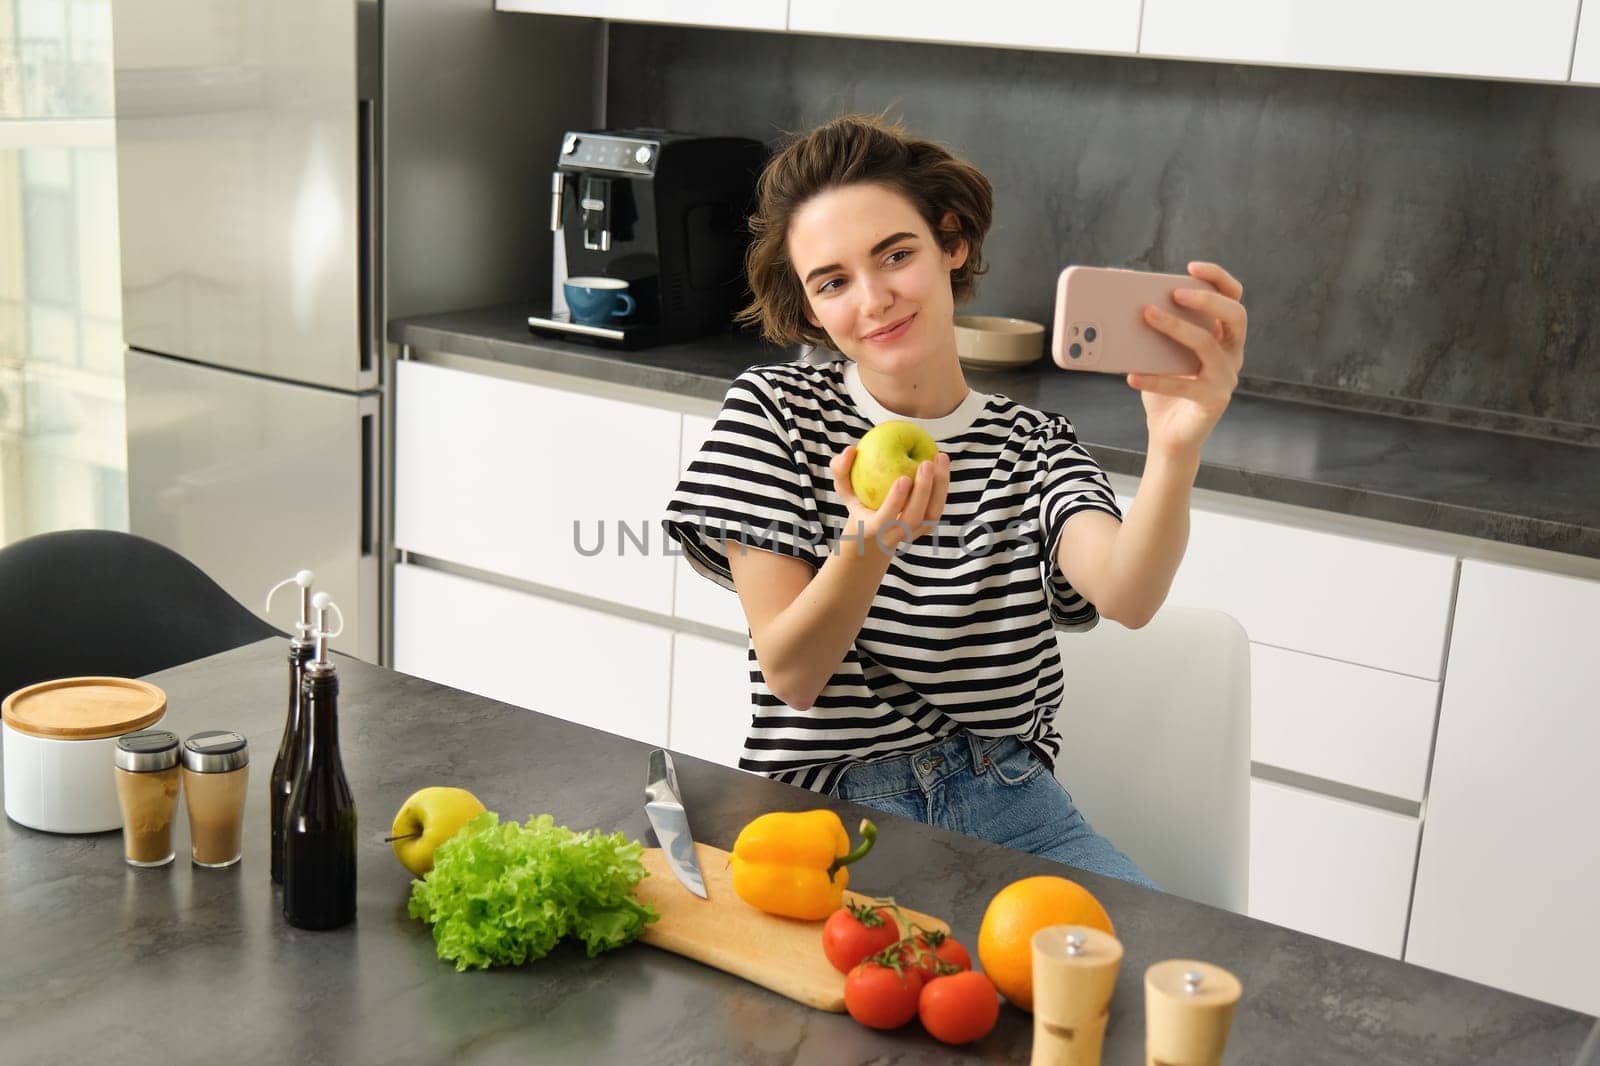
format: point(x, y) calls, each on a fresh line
point(60, 740)
point(994, 341)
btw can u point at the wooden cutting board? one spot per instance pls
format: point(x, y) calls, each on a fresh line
point(783, 954)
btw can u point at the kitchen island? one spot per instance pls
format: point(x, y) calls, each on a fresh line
point(107, 963)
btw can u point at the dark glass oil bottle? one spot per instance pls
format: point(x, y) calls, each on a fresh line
point(290, 749)
point(319, 827)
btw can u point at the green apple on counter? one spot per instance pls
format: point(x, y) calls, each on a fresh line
point(890, 450)
point(429, 818)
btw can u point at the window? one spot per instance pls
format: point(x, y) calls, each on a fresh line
point(62, 446)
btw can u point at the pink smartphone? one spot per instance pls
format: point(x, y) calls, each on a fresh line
point(1100, 321)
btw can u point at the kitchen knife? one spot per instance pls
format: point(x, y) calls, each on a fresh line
point(665, 811)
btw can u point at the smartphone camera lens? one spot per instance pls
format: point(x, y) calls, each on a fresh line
point(1090, 334)
point(1075, 351)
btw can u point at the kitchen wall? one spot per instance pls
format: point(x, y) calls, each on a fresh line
point(1404, 242)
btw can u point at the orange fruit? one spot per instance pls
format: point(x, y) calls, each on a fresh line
point(1021, 909)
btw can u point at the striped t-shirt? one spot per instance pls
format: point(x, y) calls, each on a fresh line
point(961, 632)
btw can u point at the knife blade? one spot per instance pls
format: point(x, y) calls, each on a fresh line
point(664, 808)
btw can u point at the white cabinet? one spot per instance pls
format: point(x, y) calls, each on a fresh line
point(695, 596)
point(534, 483)
point(710, 678)
point(1329, 867)
point(1586, 56)
point(710, 699)
point(1106, 26)
point(1485, 38)
point(1509, 872)
point(569, 662)
point(1530, 41)
point(1347, 645)
point(1325, 594)
point(1350, 724)
point(747, 14)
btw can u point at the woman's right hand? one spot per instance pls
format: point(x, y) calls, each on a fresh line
point(911, 509)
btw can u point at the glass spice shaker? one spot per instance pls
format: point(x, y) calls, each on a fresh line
point(216, 769)
point(147, 791)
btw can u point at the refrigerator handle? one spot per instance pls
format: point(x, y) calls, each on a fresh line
point(369, 483)
point(368, 252)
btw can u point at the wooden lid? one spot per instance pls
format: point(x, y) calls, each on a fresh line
point(1095, 949)
point(1214, 986)
point(84, 708)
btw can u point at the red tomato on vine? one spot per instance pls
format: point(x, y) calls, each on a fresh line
point(881, 997)
point(933, 953)
point(959, 1008)
point(854, 932)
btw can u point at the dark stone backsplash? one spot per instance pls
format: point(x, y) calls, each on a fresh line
point(1430, 240)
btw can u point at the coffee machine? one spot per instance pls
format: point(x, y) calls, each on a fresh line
point(664, 211)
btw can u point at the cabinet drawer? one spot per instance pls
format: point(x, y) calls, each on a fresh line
point(710, 699)
point(1337, 596)
point(749, 14)
point(1331, 868)
point(494, 474)
point(696, 596)
point(1107, 26)
point(699, 599)
point(1530, 39)
point(1353, 724)
point(550, 657)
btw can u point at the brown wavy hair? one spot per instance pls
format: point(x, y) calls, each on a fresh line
point(849, 150)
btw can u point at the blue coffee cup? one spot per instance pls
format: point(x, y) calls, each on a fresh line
point(597, 301)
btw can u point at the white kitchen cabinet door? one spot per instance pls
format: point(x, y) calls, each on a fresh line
point(568, 662)
point(1509, 874)
point(745, 14)
point(1321, 593)
point(535, 483)
point(1586, 56)
point(1529, 40)
point(1352, 724)
point(696, 596)
point(1329, 867)
point(710, 699)
point(1106, 26)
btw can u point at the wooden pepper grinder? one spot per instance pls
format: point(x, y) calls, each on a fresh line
point(1188, 1009)
point(1074, 974)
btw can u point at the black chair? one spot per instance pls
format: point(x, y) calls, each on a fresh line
point(91, 602)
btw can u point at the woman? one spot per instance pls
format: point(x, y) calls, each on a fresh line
point(904, 658)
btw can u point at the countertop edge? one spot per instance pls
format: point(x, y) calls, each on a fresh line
point(1494, 527)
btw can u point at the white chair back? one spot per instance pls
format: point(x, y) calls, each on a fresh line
point(1156, 747)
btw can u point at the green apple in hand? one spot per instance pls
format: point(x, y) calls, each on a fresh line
point(890, 450)
point(429, 818)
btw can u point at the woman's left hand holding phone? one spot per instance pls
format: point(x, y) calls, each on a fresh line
point(1182, 410)
point(1126, 568)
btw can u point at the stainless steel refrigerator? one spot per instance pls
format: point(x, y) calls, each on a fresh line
point(291, 173)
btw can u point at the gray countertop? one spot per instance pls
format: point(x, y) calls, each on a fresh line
point(1498, 486)
point(178, 964)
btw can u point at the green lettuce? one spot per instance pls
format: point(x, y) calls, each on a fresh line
point(502, 894)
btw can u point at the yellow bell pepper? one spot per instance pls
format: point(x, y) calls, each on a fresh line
point(793, 863)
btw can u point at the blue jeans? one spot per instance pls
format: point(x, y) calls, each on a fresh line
point(994, 788)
